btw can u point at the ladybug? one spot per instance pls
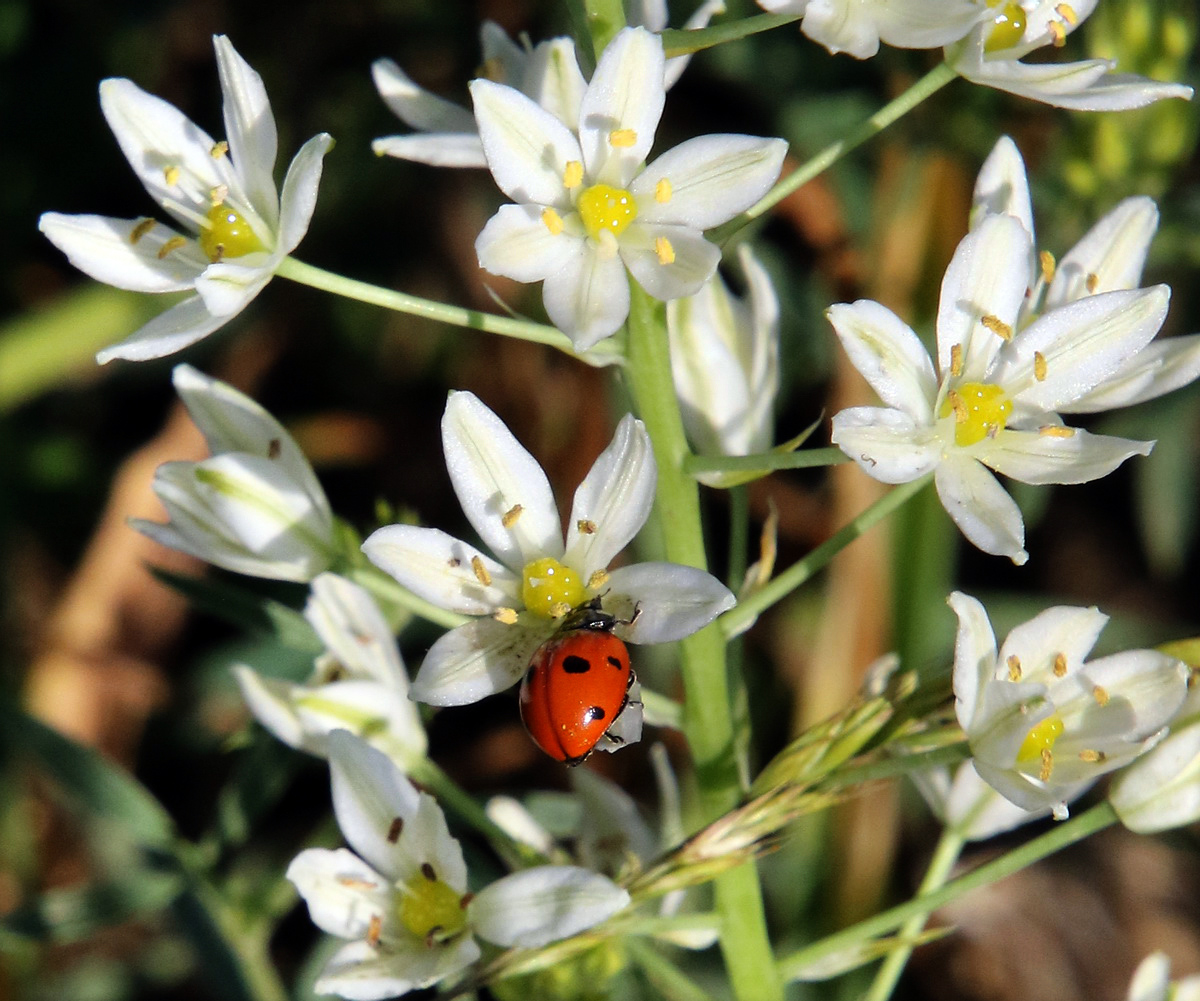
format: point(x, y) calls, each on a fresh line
point(577, 684)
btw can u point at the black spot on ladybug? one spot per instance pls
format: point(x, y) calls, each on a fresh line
point(574, 664)
point(616, 662)
point(593, 714)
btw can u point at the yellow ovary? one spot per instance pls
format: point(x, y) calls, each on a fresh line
point(606, 209)
point(1040, 739)
point(430, 908)
point(1008, 26)
point(547, 585)
point(980, 409)
point(228, 235)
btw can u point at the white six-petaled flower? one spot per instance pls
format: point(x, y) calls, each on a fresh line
point(521, 595)
point(236, 228)
point(588, 207)
point(1009, 30)
point(404, 901)
point(359, 684)
point(255, 507)
point(1042, 723)
point(995, 398)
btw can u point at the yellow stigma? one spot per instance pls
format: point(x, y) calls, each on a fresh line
point(606, 209)
point(1040, 739)
point(980, 410)
point(430, 909)
point(1008, 27)
point(548, 586)
point(228, 235)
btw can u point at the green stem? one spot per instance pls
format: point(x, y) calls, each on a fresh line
point(668, 980)
point(707, 715)
point(604, 19)
point(506, 326)
point(1057, 838)
point(392, 594)
point(765, 461)
point(929, 84)
point(945, 855)
point(745, 612)
point(679, 42)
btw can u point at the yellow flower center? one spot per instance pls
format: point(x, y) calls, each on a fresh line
point(1008, 26)
point(1039, 739)
point(430, 908)
point(604, 208)
point(547, 586)
point(228, 235)
point(980, 409)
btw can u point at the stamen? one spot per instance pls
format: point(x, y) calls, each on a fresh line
point(1047, 764)
point(559, 609)
point(1014, 668)
point(663, 191)
point(552, 221)
point(1092, 281)
point(585, 526)
point(1046, 259)
point(597, 580)
point(997, 326)
point(374, 930)
point(172, 244)
point(141, 229)
point(509, 518)
point(1067, 13)
point(1092, 757)
point(960, 409)
point(393, 834)
point(171, 175)
point(1060, 665)
point(664, 250)
point(622, 138)
point(1039, 366)
point(218, 194)
point(1056, 431)
point(1100, 694)
point(505, 616)
point(352, 883)
point(219, 149)
point(454, 563)
point(466, 901)
point(1059, 33)
point(572, 174)
point(956, 360)
point(481, 572)
point(428, 872)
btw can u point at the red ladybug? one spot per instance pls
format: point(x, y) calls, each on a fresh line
point(577, 684)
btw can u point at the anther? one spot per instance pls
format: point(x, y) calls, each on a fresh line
point(1100, 694)
point(509, 518)
point(1092, 281)
point(1014, 668)
point(171, 175)
point(219, 149)
point(663, 191)
point(1067, 13)
point(374, 930)
point(961, 416)
point(1056, 431)
point(481, 572)
point(218, 194)
point(1046, 259)
point(622, 138)
point(552, 221)
point(585, 527)
point(1059, 33)
point(428, 872)
point(454, 563)
point(956, 360)
point(141, 229)
point(172, 244)
point(597, 580)
point(505, 616)
point(559, 609)
point(1047, 764)
point(352, 883)
point(664, 250)
point(465, 902)
point(997, 326)
point(393, 834)
point(1039, 366)
point(572, 174)
point(1092, 757)
point(1060, 665)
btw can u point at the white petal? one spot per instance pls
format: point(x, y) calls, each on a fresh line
point(626, 93)
point(888, 445)
point(1110, 256)
point(104, 249)
point(693, 260)
point(493, 475)
point(588, 297)
point(1036, 458)
point(1068, 630)
point(1002, 187)
point(553, 79)
point(1161, 789)
point(536, 906)
point(181, 325)
point(672, 600)
point(978, 812)
point(343, 893)
point(924, 24)
point(227, 287)
point(889, 355)
point(381, 714)
point(360, 972)
point(1145, 690)
point(699, 19)
point(1161, 367)
point(974, 656)
point(981, 508)
point(1080, 86)
point(269, 699)
point(250, 129)
point(474, 661)
point(440, 569)
point(369, 794)
point(712, 179)
point(527, 148)
point(352, 628)
point(1081, 344)
point(614, 499)
point(615, 829)
point(426, 841)
point(299, 196)
point(437, 149)
point(416, 107)
point(516, 244)
point(987, 276)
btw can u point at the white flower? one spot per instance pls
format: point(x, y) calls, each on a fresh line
point(358, 684)
point(255, 507)
point(1152, 982)
point(1000, 389)
point(1109, 257)
point(1161, 790)
point(725, 363)
point(403, 899)
point(587, 206)
point(991, 55)
point(548, 73)
point(968, 806)
point(521, 595)
point(1043, 723)
point(858, 26)
point(236, 227)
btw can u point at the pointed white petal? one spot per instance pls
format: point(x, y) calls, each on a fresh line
point(228, 286)
point(437, 149)
point(1161, 789)
point(889, 355)
point(978, 812)
point(1069, 630)
point(981, 508)
point(1002, 187)
point(369, 794)
point(250, 129)
point(588, 297)
point(712, 179)
point(381, 714)
point(299, 196)
point(516, 244)
point(118, 252)
point(553, 79)
point(615, 829)
point(1110, 256)
point(676, 65)
point(1145, 688)
point(1161, 367)
point(343, 893)
point(527, 148)
point(923, 24)
point(352, 628)
point(476, 660)
point(536, 906)
point(441, 569)
point(1037, 458)
point(987, 277)
point(269, 699)
point(613, 501)
point(183, 324)
point(506, 58)
point(626, 95)
point(974, 656)
point(691, 262)
point(493, 476)
point(360, 972)
point(426, 841)
point(672, 601)
point(887, 444)
point(416, 107)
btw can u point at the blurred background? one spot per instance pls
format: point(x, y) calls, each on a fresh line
point(102, 651)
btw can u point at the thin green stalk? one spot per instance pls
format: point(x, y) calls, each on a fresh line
point(799, 572)
point(604, 19)
point(945, 855)
point(679, 42)
point(708, 719)
point(929, 84)
point(765, 461)
point(392, 594)
point(506, 326)
point(1057, 838)
point(667, 979)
